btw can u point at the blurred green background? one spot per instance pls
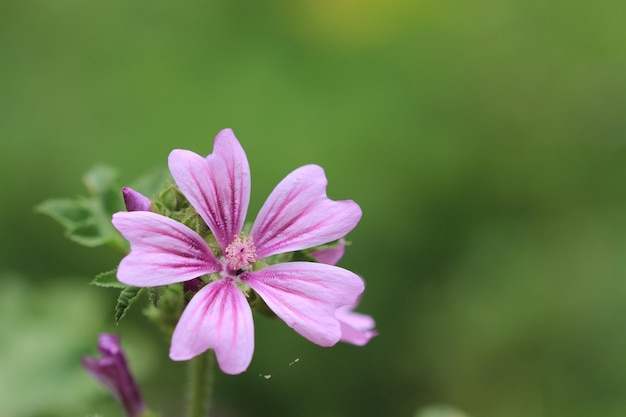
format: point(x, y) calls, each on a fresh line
point(484, 140)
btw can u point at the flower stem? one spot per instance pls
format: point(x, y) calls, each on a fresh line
point(201, 384)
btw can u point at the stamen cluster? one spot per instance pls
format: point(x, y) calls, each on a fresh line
point(241, 253)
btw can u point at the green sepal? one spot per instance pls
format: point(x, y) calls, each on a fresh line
point(173, 199)
point(154, 295)
point(127, 297)
point(189, 218)
point(108, 280)
point(302, 256)
point(168, 308)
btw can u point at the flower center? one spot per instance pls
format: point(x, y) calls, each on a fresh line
point(241, 253)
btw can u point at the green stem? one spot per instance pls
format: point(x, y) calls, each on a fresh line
point(201, 384)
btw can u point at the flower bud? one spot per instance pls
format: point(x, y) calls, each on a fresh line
point(135, 201)
point(112, 371)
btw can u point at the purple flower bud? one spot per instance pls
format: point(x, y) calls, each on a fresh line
point(112, 371)
point(135, 201)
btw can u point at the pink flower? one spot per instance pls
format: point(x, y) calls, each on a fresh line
point(297, 215)
point(356, 328)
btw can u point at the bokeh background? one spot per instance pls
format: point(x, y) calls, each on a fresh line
point(484, 140)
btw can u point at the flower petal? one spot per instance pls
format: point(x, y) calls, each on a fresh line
point(298, 214)
point(356, 328)
point(217, 186)
point(162, 251)
point(218, 317)
point(306, 295)
point(331, 255)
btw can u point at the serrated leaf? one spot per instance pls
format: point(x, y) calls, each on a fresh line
point(87, 220)
point(78, 219)
point(69, 213)
point(108, 280)
point(153, 183)
point(98, 179)
point(127, 297)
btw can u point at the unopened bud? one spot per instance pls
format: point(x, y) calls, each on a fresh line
point(112, 371)
point(135, 201)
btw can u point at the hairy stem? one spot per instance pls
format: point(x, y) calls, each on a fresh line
point(201, 384)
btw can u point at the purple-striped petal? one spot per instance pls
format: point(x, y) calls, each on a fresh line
point(306, 295)
point(298, 214)
point(218, 317)
point(217, 186)
point(162, 251)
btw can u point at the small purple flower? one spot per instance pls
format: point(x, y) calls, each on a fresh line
point(297, 215)
point(112, 371)
point(135, 201)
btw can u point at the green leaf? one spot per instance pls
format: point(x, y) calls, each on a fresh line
point(153, 183)
point(108, 280)
point(127, 297)
point(98, 179)
point(70, 213)
point(87, 220)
